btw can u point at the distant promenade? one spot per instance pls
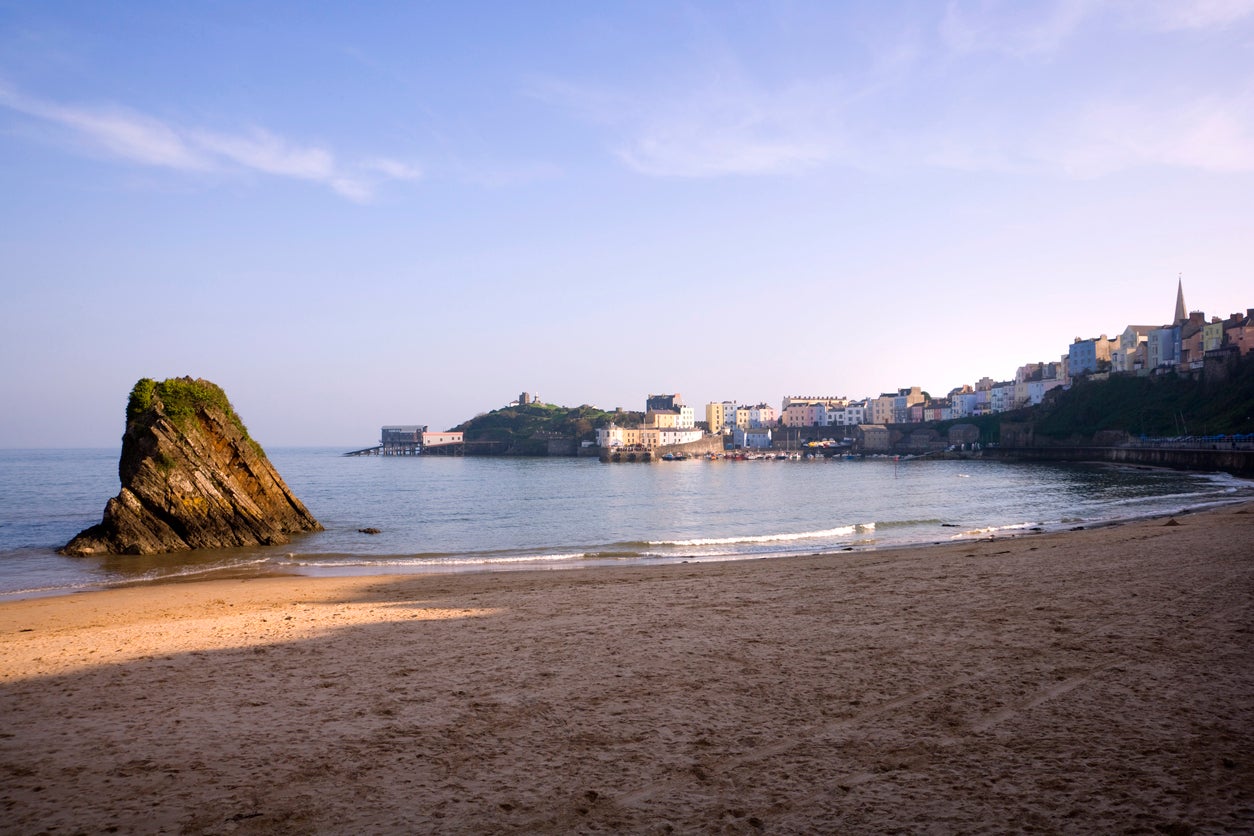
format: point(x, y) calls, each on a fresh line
point(1214, 454)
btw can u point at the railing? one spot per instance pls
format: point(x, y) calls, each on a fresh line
point(1239, 441)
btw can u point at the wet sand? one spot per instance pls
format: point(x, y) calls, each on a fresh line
point(1087, 681)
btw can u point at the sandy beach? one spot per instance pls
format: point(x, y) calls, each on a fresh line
point(1087, 681)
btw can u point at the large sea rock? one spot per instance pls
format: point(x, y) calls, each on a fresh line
point(192, 478)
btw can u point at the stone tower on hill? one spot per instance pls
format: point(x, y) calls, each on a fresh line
point(1182, 313)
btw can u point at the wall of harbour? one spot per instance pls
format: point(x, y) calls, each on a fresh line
point(1237, 461)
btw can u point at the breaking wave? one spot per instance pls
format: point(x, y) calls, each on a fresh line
point(842, 531)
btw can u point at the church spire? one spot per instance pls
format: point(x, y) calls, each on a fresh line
point(1182, 313)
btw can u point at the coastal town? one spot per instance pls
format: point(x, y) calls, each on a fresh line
point(1189, 346)
point(1184, 346)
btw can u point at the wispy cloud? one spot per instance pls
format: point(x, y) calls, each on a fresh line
point(1193, 14)
point(1012, 28)
point(1213, 133)
point(933, 98)
point(146, 140)
point(722, 124)
point(1009, 27)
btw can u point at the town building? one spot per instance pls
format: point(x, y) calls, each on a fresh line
point(430, 439)
point(761, 415)
point(1091, 356)
point(880, 410)
point(1001, 397)
point(1132, 345)
point(402, 439)
point(612, 435)
point(720, 416)
point(1192, 335)
point(1239, 332)
point(752, 438)
point(872, 438)
point(903, 400)
point(1163, 348)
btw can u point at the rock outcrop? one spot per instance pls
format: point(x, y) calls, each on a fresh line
point(191, 479)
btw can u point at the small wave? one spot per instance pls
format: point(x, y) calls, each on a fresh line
point(904, 523)
point(994, 529)
point(190, 571)
point(842, 531)
point(345, 561)
point(42, 591)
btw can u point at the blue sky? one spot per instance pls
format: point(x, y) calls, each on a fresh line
point(408, 213)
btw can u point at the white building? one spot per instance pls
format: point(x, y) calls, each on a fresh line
point(1038, 388)
point(753, 438)
point(1002, 397)
point(679, 435)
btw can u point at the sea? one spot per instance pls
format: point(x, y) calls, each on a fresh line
point(450, 514)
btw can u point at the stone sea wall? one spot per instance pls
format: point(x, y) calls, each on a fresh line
point(1239, 462)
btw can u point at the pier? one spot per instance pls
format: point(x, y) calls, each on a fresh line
point(414, 440)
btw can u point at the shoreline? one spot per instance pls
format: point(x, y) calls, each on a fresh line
point(1100, 679)
point(584, 562)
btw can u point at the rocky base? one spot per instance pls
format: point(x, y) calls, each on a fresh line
point(191, 479)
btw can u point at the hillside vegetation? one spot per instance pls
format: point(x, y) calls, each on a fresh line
point(527, 429)
point(1165, 405)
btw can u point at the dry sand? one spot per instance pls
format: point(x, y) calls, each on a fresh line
point(1088, 681)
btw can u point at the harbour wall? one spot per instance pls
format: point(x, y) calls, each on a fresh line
point(708, 444)
point(1239, 462)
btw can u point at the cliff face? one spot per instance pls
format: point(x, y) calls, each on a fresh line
point(191, 479)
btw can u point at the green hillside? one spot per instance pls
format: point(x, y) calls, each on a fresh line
point(1165, 405)
point(526, 429)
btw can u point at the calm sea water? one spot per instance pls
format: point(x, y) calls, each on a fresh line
point(463, 514)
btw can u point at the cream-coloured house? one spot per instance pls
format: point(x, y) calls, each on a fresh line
point(720, 415)
point(613, 435)
point(1123, 357)
point(662, 418)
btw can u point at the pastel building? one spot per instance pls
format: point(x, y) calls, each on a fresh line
point(719, 416)
point(881, 409)
point(1131, 348)
point(686, 415)
point(1002, 397)
point(752, 438)
point(1090, 356)
point(1192, 337)
point(430, 439)
point(613, 435)
point(851, 415)
point(1239, 332)
point(1038, 388)
point(1213, 334)
point(1163, 348)
point(801, 414)
point(678, 435)
point(903, 400)
point(662, 418)
point(761, 415)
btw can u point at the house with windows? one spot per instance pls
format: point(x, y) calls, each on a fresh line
point(1131, 347)
point(753, 438)
point(1091, 356)
point(720, 415)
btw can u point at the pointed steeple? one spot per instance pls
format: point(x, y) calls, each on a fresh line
point(1182, 313)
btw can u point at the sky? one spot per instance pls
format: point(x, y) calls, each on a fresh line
point(408, 213)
